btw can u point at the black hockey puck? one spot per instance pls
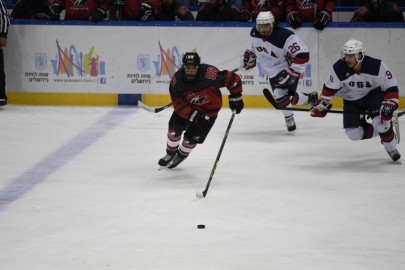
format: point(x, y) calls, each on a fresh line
point(201, 226)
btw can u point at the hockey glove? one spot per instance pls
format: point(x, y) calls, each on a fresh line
point(41, 16)
point(387, 109)
point(287, 77)
point(98, 15)
point(323, 19)
point(245, 16)
point(249, 59)
point(55, 11)
point(236, 103)
point(146, 11)
point(321, 109)
point(120, 3)
point(294, 19)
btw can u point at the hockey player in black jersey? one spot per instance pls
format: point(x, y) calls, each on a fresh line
point(366, 85)
point(197, 100)
point(283, 57)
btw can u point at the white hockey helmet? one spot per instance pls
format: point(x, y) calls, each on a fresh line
point(355, 47)
point(265, 17)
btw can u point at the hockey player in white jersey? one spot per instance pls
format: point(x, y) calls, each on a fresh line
point(283, 57)
point(366, 85)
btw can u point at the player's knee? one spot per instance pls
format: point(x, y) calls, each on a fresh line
point(283, 101)
point(354, 134)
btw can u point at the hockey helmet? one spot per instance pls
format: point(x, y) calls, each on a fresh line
point(265, 23)
point(191, 58)
point(355, 47)
point(191, 62)
point(265, 17)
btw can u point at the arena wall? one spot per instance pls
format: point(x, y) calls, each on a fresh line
point(118, 63)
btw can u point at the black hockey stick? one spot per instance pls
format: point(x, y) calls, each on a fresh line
point(201, 195)
point(159, 109)
point(273, 102)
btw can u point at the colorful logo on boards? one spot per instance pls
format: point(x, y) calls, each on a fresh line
point(168, 61)
point(72, 63)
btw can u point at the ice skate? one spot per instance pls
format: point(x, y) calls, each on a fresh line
point(164, 161)
point(394, 155)
point(176, 161)
point(290, 123)
point(312, 98)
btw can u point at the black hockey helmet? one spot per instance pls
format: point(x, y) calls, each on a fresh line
point(191, 58)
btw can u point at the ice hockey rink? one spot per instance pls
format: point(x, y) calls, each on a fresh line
point(80, 189)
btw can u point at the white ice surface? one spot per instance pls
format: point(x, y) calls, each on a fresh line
point(80, 189)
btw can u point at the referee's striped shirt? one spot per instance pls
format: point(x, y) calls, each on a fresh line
point(4, 20)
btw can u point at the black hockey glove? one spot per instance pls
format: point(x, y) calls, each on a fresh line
point(245, 16)
point(41, 16)
point(146, 11)
point(287, 77)
point(120, 3)
point(236, 103)
point(387, 110)
point(98, 15)
point(249, 59)
point(294, 19)
point(199, 119)
point(323, 19)
point(55, 11)
point(321, 109)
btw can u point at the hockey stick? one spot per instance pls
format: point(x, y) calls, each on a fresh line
point(273, 102)
point(201, 195)
point(152, 109)
point(159, 109)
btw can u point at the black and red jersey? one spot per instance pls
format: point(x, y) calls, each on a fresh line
point(387, 12)
point(203, 93)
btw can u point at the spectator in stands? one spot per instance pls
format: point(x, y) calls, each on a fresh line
point(174, 10)
point(134, 10)
point(33, 9)
point(256, 6)
point(4, 23)
point(378, 11)
point(319, 12)
point(221, 10)
point(93, 10)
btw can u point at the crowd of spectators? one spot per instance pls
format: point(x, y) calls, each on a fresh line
point(294, 12)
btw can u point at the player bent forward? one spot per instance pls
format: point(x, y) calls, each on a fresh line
point(366, 85)
point(197, 99)
point(283, 57)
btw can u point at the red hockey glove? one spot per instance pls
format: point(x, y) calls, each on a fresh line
point(236, 103)
point(249, 59)
point(387, 110)
point(287, 77)
point(321, 109)
point(294, 19)
point(323, 19)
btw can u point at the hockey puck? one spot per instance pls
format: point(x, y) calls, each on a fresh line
point(201, 226)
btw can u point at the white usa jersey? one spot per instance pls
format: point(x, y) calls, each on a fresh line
point(344, 82)
point(283, 49)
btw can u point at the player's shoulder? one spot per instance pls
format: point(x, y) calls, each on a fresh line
point(255, 33)
point(341, 70)
point(279, 36)
point(371, 65)
point(205, 67)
